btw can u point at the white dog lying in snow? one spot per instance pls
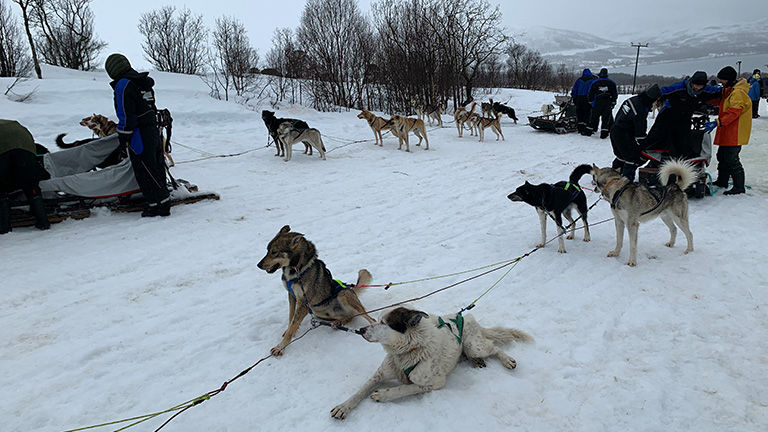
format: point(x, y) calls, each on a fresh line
point(422, 350)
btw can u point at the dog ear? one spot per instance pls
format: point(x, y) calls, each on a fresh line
point(285, 229)
point(415, 318)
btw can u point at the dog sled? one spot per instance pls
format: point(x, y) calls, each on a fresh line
point(560, 122)
point(75, 187)
point(696, 149)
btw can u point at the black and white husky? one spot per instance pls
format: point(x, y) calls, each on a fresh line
point(557, 200)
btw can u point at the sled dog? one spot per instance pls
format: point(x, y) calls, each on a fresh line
point(461, 116)
point(377, 124)
point(165, 127)
point(290, 135)
point(430, 112)
point(547, 109)
point(311, 288)
point(483, 123)
point(509, 111)
point(100, 125)
point(423, 349)
point(633, 203)
point(273, 123)
point(486, 108)
point(404, 125)
point(557, 200)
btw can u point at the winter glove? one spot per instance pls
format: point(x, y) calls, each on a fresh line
point(710, 126)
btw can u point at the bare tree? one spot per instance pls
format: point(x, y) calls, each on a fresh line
point(65, 34)
point(336, 38)
point(527, 68)
point(14, 60)
point(26, 10)
point(174, 43)
point(232, 57)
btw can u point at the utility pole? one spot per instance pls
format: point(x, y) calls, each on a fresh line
point(637, 58)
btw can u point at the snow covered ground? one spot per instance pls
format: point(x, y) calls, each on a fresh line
point(116, 316)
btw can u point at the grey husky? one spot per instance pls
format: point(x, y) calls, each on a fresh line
point(311, 288)
point(290, 135)
point(633, 203)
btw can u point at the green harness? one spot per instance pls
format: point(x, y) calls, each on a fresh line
point(458, 321)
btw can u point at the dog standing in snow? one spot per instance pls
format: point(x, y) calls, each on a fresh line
point(423, 349)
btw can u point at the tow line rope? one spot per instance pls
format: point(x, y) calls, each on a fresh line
point(180, 408)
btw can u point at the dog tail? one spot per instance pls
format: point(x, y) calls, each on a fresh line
point(505, 335)
point(60, 142)
point(578, 172)
point(684, 173)
point(364, 278)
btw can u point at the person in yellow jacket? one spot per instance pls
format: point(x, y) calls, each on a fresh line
point(734, 125)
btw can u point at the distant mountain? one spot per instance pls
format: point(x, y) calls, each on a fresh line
point(683, 48)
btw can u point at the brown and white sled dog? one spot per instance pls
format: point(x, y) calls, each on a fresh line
point(461, 116)
point(290, 135)
point(632, 203)
point(404, 125)
point(430, 112)
point(483, 123)
point(377, 124)
point(311, 288)
point(423, 349)
point(100, 125)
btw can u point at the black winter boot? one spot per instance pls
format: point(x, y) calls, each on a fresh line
point(628, 171)
point(158, 209)
point(37, 208)
point(722, 179)
point(738, 184)
point(5, 215)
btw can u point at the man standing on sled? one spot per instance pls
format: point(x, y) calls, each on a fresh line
point(137, 129)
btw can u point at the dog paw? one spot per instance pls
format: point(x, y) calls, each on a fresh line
point(613, 253)
point(478, 362)
point(587, 239)
point(687, 251)
point(380, 396)
point(540, 245)
point(561, 250)
point(509, 363)
point(632, 263)
point(669, 244)
point(276, 351)
point(569, 237)
point(340, 411)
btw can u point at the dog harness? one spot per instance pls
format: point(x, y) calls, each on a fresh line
point(659, 199)
point(458, 321)
point(338, 286)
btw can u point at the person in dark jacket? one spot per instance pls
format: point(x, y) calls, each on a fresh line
point(580, 96)
point(20, 169)
point(756, 91)
point(628, 133)
point(602, 95)
point(137, 129)
point(672, 127)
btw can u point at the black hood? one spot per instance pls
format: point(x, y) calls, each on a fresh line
point(141, 79)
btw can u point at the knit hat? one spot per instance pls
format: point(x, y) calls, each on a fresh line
point(117, 65)
point(699, 78)
point(603, 73)
point(653, 92)
point(727, 74)
point(756, 71)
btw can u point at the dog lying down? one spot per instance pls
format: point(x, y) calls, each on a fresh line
point(423, 349)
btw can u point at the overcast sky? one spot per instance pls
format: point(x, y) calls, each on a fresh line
point(117, 25)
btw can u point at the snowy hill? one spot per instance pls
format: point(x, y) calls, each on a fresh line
point(673, 53)
point(116, 316)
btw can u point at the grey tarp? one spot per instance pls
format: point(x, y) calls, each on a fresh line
point(71, 173)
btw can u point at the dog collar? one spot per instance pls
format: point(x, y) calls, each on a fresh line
point(289, 282)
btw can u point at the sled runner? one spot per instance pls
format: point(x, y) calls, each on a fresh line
point(561, 122)
point(75, 187)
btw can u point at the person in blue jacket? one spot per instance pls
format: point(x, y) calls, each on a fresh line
point(137, 129)
point(756, 91)
point(579, 94)
point(672, 127)
point(602, 95)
